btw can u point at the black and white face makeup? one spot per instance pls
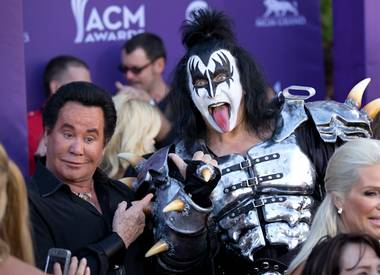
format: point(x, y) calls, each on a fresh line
point(214, 83)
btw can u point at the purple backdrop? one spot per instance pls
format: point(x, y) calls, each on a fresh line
point(12, 78)
point(283, 35)
point(356, 52)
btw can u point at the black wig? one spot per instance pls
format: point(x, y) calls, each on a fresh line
point(206, 33)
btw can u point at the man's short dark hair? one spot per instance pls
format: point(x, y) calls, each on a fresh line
point(87, 94)
point(58, 66)
point(151, 43)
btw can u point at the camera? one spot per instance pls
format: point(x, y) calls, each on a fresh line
point(60, 256)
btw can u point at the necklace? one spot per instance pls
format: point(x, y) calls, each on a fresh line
point(87, 196)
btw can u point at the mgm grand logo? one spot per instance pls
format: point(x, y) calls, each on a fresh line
point(280, 13)
point(114, 23)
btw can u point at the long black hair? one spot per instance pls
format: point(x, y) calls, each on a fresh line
point(207, 32)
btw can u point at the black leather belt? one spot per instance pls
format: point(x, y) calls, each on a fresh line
point(252, 182)
point(256, 203)
point(248, 163)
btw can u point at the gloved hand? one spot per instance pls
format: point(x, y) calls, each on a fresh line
point(198, 183)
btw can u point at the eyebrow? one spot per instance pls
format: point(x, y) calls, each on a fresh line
point(71, 127)
point(221, 70)
point(197, 75)
point(370, 187)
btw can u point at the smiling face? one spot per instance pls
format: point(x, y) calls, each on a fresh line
point(361, 207)
point(76, 143)
point(214, 83)
point(353, 262)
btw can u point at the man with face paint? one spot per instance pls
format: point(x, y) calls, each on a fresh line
point(271, 158)
point(215, 87)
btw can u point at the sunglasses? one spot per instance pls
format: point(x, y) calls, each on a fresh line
point(135, 70)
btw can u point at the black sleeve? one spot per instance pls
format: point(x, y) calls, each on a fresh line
point(97, 254)
point(42, 239)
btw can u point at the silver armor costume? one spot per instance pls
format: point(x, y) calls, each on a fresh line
point(265, 197)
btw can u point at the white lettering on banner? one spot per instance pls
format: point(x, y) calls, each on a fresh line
point(114, 23)
point(280, 13)
point(120, 35)
point(94, 22)
point(139, 17)
point(107, 18)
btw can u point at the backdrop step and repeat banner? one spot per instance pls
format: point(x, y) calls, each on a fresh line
point(283, 36)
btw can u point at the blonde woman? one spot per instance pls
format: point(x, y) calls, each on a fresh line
point(138, 123)
point(16, 250)
point(352, 202)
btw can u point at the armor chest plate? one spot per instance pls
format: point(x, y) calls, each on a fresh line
point(264, 198)
point(269, 168)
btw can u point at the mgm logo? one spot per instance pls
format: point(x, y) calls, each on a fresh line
point(280, 13)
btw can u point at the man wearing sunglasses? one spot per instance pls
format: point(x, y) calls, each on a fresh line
point(142, 64)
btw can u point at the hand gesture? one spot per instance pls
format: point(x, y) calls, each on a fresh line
point(129, 223)
point(201, 176)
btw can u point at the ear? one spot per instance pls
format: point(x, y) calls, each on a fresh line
point(159, 65)
point(53, 85)
point(337, 200)
point(45, 137)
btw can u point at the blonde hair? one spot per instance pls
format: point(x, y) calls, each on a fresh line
point(15, 226)
point(341, 175)
point(137, 123)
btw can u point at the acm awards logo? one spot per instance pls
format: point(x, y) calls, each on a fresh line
point(114, 23)
point(280, 13)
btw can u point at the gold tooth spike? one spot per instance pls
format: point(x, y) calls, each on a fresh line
point(128, 181)
point(206, 173)
point(356, 93)
point(133, 159)
point(175, 205)
point(372, 108)
point(158, 247)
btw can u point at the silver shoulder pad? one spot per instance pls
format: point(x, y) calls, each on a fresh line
point(292, 112)
point(334, 119)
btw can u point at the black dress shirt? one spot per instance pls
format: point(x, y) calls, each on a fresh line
point(63, 220)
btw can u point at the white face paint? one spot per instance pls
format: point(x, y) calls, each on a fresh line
point(216, 89)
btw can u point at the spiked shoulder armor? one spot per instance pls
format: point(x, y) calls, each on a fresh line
point(333, 120)
point(339, 120)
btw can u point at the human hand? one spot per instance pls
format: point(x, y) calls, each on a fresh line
point(129, 223)
point(133, 93)
point(201, 175)
point(198, 156)
point(74, 269)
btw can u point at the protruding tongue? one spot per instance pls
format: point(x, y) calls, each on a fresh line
point(221, 117)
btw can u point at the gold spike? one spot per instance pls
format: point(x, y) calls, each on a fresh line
point(356, 93)
point(133, 159)
point(206, 173)
point(175, 205)
point(158, 247)
point(372, 108)
point(128, 181)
